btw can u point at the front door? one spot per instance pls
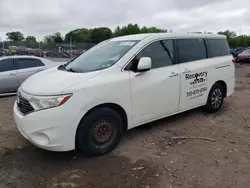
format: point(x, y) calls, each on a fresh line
point(194, 68)
point(8, 76)
point(155, 93)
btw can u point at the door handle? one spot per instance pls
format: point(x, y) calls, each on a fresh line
point(173, 74)
point(12, 74)
point(186, 71)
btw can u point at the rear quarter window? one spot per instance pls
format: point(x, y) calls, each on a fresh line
point(218, 47)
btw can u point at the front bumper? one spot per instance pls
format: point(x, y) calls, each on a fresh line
point(52, 129)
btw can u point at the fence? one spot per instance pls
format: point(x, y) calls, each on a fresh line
point(45, 46)
point(40, 49)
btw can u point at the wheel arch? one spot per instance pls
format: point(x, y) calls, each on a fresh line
point(112, 106)
point(224, 85)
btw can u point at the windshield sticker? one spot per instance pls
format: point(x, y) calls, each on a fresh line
point(127, 43)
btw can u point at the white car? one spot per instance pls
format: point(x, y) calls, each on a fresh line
point(122, 83)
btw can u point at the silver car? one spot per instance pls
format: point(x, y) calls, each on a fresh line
point(16, 69)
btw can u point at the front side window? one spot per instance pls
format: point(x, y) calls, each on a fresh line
point(28, 63)
point(169, 44)
point(6, 65)
point(191, 50)
point(100, 57)
point(160, 52)
point(218, 47)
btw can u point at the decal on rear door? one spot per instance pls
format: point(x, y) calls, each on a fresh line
point(197, 84)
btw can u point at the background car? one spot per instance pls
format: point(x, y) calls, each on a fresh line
point(16, 69)
point(235, 52)
point(243, 57)
point(37, 52)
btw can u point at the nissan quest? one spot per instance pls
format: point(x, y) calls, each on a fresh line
point(121, 83)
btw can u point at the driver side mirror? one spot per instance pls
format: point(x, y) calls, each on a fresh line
point(144, 64)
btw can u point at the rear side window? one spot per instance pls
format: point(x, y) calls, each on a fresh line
point(28, 63)
point(6, 65)
point(191, 50)
point(218, 47)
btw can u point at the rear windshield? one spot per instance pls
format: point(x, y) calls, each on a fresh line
point(246, 52)
point(102, 56)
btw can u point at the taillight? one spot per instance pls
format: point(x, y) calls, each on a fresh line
point(233, 60)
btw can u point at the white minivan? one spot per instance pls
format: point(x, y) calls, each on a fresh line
point(122, 83)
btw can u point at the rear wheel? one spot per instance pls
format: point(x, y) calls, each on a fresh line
point(99, 132)
point(215, 98)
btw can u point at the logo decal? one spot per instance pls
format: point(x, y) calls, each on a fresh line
point(197, 84)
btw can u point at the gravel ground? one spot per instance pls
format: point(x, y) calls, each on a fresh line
point(148, 157)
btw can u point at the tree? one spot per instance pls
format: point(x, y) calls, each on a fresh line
point(48, 38)
point(78, 35)
point(155, 30)
point(135, 29)
point(100, 34)
point(96, 35)
point(228, 33)
point(117, 31)
point(31, 42)
point(57, 37)
point(15, 36)
point(31, 38)
point(129, 30)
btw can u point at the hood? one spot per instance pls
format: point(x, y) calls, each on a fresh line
point(53, 81)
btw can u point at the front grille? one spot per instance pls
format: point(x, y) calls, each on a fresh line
point(24, 105)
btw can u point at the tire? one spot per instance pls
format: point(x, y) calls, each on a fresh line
point(217, 93)
point(104, 122)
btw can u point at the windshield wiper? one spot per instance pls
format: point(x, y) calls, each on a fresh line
point(63, 67)
point(72, 70)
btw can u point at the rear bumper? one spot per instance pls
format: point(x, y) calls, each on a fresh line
point(231, 86)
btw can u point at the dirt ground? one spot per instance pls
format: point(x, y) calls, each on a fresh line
point(148, 157)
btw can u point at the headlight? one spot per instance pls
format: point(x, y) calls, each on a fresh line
point(43, 102)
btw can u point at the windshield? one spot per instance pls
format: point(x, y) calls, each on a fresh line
point(102, 56)
point(246, 52)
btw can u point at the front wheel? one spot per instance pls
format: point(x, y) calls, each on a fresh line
point(215, 98)
point(99, 132)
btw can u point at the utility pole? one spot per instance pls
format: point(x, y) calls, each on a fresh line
point(2, 42)
point(40, 49)
point(70, 40)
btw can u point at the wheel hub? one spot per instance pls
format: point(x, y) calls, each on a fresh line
point(102, 131)
point(216, 98)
